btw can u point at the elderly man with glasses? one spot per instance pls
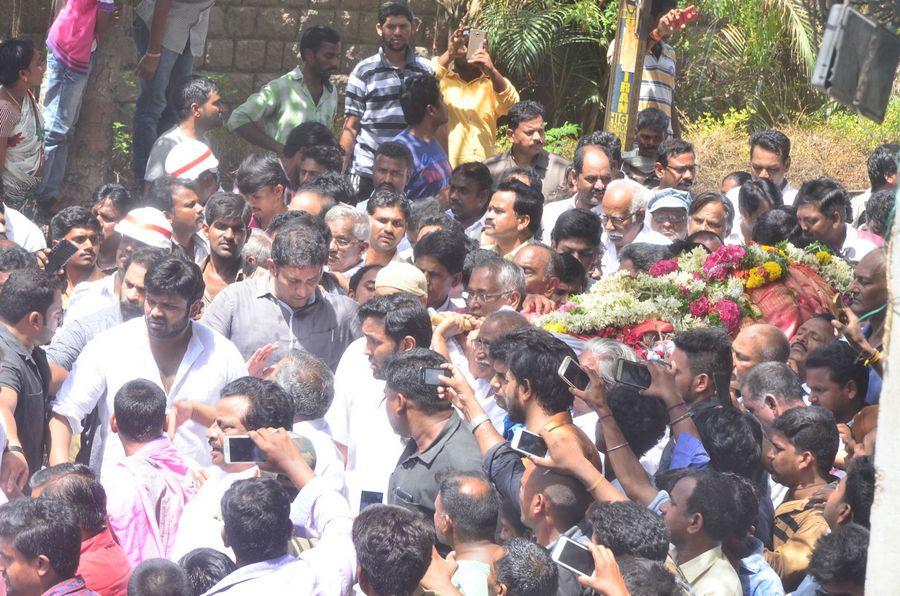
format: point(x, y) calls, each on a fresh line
point(495, 283)
point(623, 215)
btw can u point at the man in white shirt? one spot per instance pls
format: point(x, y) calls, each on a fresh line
point(822, 208)
point(258, 519)
point(142, 227)
point(593, 170)
point(358, 419)
point(189, 361)
point(310, 384)
point(440, 255)
point(20, 229)
point(770, 157)
point(882, 167)
point(623, 214)
point(246, 404)
point(470, 193)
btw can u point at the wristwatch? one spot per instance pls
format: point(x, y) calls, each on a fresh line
point(13, 449)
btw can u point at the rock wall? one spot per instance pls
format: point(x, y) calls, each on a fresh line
point(249, 43)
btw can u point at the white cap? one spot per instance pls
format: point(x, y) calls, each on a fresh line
point(147, 225)
point(669, 198)
point(403, 277)
point(190, 158)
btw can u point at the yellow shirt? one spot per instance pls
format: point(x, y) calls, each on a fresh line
point(474, 108)
point(710, 574)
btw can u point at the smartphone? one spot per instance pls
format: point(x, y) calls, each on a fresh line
point(573, 556)
point(59, 255)
point(688, 15)
point(476, 42)
point(367, 498)
point(632, 373)
point(240, 449)
point(528, 443)
point(432, 376)
point(574, 376)
point(840, 315)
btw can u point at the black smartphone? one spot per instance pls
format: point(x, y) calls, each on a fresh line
point(240, 449)
point(632, 373)
point(574, 376)
point(432, 376)
point(528, 443)
point(573, 556)
point(367, 498)
point(59, 255)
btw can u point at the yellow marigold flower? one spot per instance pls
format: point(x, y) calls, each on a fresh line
point(555, 328)
point(754, 281)
point(773, 269)
point(823, 257)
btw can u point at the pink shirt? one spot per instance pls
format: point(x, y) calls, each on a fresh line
point(71, 37)
point(146, 494)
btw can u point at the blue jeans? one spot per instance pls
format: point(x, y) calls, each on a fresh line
point(154, 113)
point(62, 104)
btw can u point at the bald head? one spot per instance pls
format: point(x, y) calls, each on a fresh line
point(471, 504)
point(868, 291)
point(754, 344)
point(563, 498)
point(500, 323)
point(539, 262)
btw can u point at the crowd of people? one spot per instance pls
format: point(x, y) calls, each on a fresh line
point(315, 382)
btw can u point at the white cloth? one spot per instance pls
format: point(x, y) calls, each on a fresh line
point(788, 194)
point(358, 419)
point(473, 231)
point(855, 247)
point(552, 212)
point(452, 305)
point(23, 231)
point(122, 354)
point(858, 203)
point(89, 297)
point(329, 568)
point(201, 521)
point(610, 262)
point(329, 463)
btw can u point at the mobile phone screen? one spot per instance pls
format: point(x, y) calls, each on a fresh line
point(59, 254)
point(574, 375)
point(574, 556)
point(431, 376)
point(529, 443)
point(367, 498)
point(242, 449)
point(633, 373)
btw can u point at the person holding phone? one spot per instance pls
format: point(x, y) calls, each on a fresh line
point(476, 95)
point(78, 226)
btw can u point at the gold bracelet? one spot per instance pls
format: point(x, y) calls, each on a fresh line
point(872, 359)
point(679, 419)
point(611, 449)
point(596, 483)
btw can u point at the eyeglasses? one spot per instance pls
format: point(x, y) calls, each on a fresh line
point(681, 170)
point(481, 296)
point(669, 218)
point(343, 242)
point(480, 345)
point(616, 221)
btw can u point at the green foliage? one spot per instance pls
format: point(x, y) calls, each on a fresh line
point(749, 55)
point(121, 139)
point(554, 51)
point(862, 131)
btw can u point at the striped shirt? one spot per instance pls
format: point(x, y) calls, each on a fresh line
point(658, 81)
point(284, 103)
point(373, 94)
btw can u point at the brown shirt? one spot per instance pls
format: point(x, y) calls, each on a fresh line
point(550, 168)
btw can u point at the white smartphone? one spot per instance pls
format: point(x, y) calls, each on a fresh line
point(573, 556)
point(476, 42)
point(240, 449)
point(574, 376)
point(528, 443)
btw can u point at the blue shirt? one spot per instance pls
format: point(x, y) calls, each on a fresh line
point(431, 167)
point(757, 577)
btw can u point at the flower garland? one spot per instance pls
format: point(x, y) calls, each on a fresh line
point(697, 289)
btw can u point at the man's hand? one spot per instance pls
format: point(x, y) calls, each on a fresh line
point(41, 257)
point(563, 453)
point(482, 60)
point(666, 25)
point(594, 394)
point(282, 455)
point(456, 389)
point(457, 41)
point(537, 304)
point(453, 324)
point(14, 473)
point(852, 331)
point(437, 576)
point(256, 364)
point(181, 413)
point(662, 383)
point(147, 67)
point(607, 579)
